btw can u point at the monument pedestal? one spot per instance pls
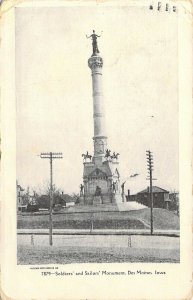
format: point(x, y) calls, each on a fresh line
point(117, 198)
point(81, 200)
point(97, 200)
point(101, 182)
point(123, 197)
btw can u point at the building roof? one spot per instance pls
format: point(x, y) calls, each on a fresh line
point(65, 197)
point(155, 189)
point(19, 186)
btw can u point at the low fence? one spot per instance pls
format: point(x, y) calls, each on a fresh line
point(98, 241)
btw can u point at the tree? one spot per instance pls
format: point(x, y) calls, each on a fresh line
point(174, 204)
point(76, 198)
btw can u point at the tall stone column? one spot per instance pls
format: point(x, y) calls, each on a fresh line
point(95, 63)
point(100, 176)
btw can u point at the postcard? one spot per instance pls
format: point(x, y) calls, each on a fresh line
point(96, 149)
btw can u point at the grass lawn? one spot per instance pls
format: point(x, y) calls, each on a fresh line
point(134, 219)
point(66, 255)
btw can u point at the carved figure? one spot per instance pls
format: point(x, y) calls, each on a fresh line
point(98, 191)
point(94, 36)
point(99, 146)
point(87, 155)
point(115, 155)
point(122, 187)
point(81, 189)
point(108, 153)
point(114, 187)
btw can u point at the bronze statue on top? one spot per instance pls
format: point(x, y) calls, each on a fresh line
point(94, 36)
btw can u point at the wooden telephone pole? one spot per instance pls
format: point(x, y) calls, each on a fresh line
point(150, 169)
point(51, 156)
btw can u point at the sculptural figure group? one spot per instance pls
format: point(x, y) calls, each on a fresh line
point(87, 155)
point(108, 155)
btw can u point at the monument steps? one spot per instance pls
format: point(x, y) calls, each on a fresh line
point(126, 206)
point(94, 208)
point(132, 205)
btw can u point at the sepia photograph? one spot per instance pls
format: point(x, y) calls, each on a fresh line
point(96, 149)
point(97, 134)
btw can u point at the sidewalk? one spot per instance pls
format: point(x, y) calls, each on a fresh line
point(77, 248)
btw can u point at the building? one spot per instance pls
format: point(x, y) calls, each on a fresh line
point(65, 200)
point(22, 200)
point(130, 197)
point(62, 200)
point(160, 197)
point(101, 178)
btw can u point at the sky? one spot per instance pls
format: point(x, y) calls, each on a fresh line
point(54, 92)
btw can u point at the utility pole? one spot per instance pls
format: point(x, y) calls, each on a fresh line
point(51, 156)
point(150, 169)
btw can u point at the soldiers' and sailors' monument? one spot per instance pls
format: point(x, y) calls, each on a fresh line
point(101, 178)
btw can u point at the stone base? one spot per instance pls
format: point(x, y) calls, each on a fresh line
point(123, 198)
point(97, 200)
point(93, 208)
point(101, 200)
point(81, 200)
point(117, 198)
